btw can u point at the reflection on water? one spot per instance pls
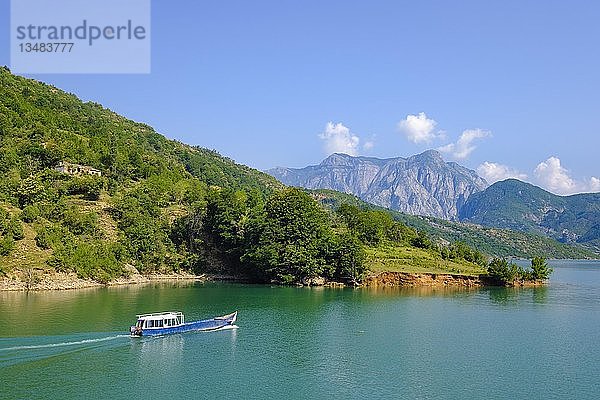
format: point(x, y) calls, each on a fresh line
point(540, 294)
point(518, 295)
point(422, 291)
point(162, 353)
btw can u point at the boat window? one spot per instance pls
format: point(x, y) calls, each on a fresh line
point(150, 323)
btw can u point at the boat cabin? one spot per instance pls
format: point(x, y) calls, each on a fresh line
point(160, 320)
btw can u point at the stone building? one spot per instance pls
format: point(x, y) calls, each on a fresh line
point(76, 169)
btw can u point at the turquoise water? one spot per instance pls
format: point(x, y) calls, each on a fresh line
point(304, 343)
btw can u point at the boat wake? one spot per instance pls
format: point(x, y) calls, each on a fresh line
point(225, 328)
point(32, 349)
point(62, 344)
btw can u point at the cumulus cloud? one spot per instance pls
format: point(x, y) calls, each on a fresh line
point(494, 172)
point(464, 145)
point(337, 138)
point(554, 177)
point(549, 174)
point(419, 128)
point(368, 145)
point(594, 184)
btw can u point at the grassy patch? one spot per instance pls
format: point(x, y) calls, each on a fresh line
point(26, 253)
point(395, 258)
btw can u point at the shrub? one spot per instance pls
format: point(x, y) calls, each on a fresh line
point(52, 236)
point(7, 244)
point(422, 240)
point(90, 260)
point(88, 186)
point(31, 191)
point(15, 229)
point(30, 213)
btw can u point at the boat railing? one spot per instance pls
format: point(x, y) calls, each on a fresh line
point(166, 313)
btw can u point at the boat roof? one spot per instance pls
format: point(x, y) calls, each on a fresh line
point(161, 315)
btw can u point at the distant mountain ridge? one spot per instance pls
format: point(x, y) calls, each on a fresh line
point(423, 184)
point(524, 207)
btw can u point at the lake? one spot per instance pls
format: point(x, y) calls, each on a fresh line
point(493, 343)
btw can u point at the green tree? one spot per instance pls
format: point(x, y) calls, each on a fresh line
point(422, 240)
point(30, 191)
point(88, 186)
point(502, 271)
point(348, 258)
point(290, 240)
point(540, 269)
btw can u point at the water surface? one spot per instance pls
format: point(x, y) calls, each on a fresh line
point(292, 342)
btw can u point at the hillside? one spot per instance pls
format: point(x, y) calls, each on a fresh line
point(520, 206)
point(496, 242)
point(86, 191)
point(423, 184)
point(441, 191)
point(125, 215)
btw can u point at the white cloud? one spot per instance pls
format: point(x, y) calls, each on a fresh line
point(368, 145)
point(419, 128)
point(494, 172)
point(464, 145)
point(551, 175)
point(338, 139)
point(594, 184)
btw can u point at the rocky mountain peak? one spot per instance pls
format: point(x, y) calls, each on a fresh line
point(423, 184)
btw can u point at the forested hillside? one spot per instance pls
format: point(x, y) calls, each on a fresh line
point(492, 241)
point(97, 224)
point(125, 197)
point(524, 207)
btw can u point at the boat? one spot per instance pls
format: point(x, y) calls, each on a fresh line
point(165, 323)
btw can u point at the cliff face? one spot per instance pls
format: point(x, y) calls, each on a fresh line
point(423, 184)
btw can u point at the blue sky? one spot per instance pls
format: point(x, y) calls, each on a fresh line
point(282, 83)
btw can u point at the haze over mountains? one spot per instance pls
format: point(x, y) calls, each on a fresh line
point(425, 184)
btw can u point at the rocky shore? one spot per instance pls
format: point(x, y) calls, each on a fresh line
point(50, 280)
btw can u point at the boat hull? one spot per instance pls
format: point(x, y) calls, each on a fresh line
point(204, 325)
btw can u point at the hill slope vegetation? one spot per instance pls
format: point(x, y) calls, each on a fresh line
point(517, 205)
point(160, 205)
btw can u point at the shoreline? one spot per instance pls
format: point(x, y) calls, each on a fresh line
point(52, 281)
point(69, 281)
point(437, 280)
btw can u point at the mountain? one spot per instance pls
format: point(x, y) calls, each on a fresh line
point(524, 207)
point(423, 184)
